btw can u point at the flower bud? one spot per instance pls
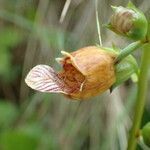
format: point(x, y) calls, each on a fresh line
point(86, 72)
point(128, 21)
point(146, 134)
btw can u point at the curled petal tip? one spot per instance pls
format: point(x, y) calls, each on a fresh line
point(65, 53)
point(113, 8)
point(59, 60)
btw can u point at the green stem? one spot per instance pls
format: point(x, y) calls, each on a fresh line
point(141, 97)
point(128, 50)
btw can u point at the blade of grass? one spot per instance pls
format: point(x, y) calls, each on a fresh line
point(64, 11)
point(98, 23)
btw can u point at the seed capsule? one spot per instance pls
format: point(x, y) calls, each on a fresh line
point(86, 72)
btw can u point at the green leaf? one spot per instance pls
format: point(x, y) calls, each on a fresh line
point(8, 113)
point(18, 140)
point(9, 37)
point(5, 62)
point(25, 137)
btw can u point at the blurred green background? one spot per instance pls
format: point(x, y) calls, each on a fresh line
point(34, 32)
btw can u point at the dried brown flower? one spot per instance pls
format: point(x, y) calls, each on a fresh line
point(86, 72)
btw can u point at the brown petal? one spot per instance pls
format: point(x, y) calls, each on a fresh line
point(43, 78)
point(90, 59)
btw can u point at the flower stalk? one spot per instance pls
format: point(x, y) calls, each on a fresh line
point(128, 50)
point(141, 97)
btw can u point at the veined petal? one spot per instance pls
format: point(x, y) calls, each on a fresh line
point(43, 78)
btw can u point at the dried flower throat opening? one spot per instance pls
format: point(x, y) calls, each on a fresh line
point(71, 76)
